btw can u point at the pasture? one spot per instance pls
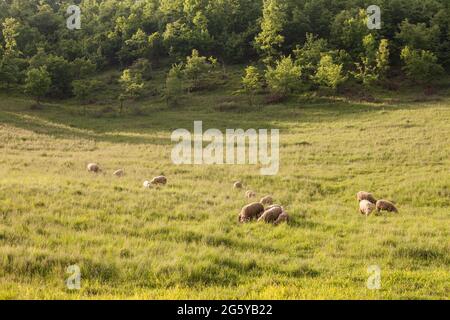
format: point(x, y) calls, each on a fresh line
point(183, 241)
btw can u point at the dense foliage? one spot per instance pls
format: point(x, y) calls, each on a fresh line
point(139, 35)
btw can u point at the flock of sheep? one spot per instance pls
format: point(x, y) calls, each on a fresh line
point(368, 204)
point(272, 213)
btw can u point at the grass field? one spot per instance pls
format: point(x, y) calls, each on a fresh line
point(183, 241)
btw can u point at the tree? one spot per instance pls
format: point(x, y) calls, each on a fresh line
point(251, 82)
point(382, 59)
point(374, 62)
point(270, 40)
point(144, 67)
point(132, 86)
point(9, 71)
point(197, 67)
point(38, 83)
point(284, 77)
point(10, 33)
point(348, 31)
point(421, 65)
point(418, 36)
point(329, 73)
point(83, 90)
point(174, 85)
point(61, 72)
point(309, 56)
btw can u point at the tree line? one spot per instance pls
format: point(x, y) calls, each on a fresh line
point(286, 44)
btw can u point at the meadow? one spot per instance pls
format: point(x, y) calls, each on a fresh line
point(183, 241)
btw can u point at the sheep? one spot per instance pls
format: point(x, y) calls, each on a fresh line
point(119, 173)
point(147, 184)
point(93, 167)
point(250, 194)
point(250, 212)
point(385, 205)
point(366, 207)
point(237, 185)
point(267, 200)
point(283, 217)
point(159, 180)
point(363, 195)
point(271, 214)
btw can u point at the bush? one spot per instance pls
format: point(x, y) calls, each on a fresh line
point(143, 66)
point(83, 90)
point(374, 63)
point(421, 65)
point(174, 85)
point(196, 68)
point(308, 56)
point(284, 78)
point(329, 74)
point(132, 86)
point(251, 83)
point(38, 83)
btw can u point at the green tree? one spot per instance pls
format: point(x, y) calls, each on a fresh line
point(37, 83)
point(329, 73)
point(251, 83)
point(83, 90)
point(270, 40)
point(174, 85)
point(9, 71)
point(197, 67)
point(374, 61)
point(348, 31)
point(132, 86)
point(382, 59)
point(309, 56)
point(421, 65)
point(143, 66)
point(418, 36)
point(10, 31)
point(284, 78)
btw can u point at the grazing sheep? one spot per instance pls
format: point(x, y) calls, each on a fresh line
point(385, 205)
point(267, 200)
point(119, 173)
point(237, 185)
point(159, 180)
point(250, 212)
point(93, 167)
point(250, 194)
point(147, 184)
point(363, 195)
point(366, 207)
point(271, 215)
point(283, 217)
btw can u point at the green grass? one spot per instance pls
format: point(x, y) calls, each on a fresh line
point(183, 240)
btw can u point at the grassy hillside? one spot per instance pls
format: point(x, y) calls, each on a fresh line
point(183, 240)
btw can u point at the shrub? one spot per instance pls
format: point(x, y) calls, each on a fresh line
point(284, 78)
point(38, 83)
point(143, 66)
point(197, 67)
point(329, 73)
point(174, 85)
point(132, 86)
point(251, 82)
point(421, 65)
point(83, 90)
point(374, 62)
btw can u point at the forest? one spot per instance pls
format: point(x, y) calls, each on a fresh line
point(286, 45)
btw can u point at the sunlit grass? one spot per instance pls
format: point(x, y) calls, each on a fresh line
point(183, 240)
